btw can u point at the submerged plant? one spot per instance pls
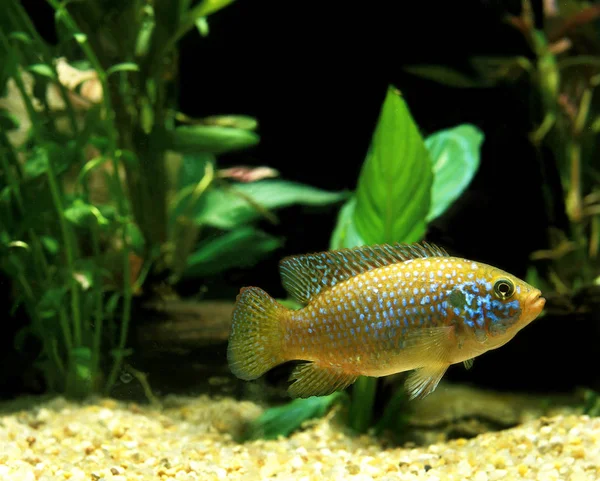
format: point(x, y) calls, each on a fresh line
point(104, 184)
point(564, 74)
point(405, 182)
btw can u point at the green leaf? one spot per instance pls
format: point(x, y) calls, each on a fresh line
point(51, 302)
point(79, 376)
point(225, 209)
point(345, 234)
point(238, 248)
point(122, 67)
point(445, 75)
point(21, 37)
point(202, 26)
point(205, 8)
point(455, 154)
point(84, 215)
point(50, 244)
point(193, 169)
point(236, 121)
point(394, 187)
point(211, 138)
point(42, 69)
point(284, 420)
point(36, 164)
point(134, 236)
point(8, 121)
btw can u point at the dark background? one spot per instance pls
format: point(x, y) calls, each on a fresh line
point(315, 74)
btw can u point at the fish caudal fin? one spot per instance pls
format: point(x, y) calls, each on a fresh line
point(255, 339)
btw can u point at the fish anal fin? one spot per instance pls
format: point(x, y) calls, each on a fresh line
point(311, 379)
point(305, 276)
point(423, 381)
point(468, 363)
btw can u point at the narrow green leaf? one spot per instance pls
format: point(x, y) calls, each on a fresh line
point(455, 154)
point(42, 69)
point(211, 138)
point(229, 208)
point(123, 67)
point(205, 8)
point(394, 187)
point(445, 75)
point(345, 234)
point(238, 248)
point(21, 37)
point(284, 420)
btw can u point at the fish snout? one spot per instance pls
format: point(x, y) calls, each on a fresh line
point(535, 302)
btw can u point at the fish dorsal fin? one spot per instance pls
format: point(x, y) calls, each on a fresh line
point(305, 276)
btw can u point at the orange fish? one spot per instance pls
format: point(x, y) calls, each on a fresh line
point(375, 311)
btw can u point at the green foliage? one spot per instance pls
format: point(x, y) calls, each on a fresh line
point(564, 76)
point(284, 420)
point(103, 182)
point(403, 177)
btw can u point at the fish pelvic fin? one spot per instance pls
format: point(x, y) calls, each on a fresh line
point(312, 379)
point(423, 381)
point(256, 334)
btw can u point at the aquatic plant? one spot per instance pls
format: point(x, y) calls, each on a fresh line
point(564, 74)
point(405, 182)
point(105, 185)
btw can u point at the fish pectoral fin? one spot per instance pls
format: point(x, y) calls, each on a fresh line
point(468, 363)
point(311, 379)
point(431, 343)
point(423, 381)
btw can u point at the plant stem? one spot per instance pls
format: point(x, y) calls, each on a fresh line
point(361, 404)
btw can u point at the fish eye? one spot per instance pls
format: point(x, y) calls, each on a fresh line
point(504, 288)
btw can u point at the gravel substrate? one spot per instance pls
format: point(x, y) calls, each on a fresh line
point(191, 439)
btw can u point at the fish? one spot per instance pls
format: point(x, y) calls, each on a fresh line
point(375, 311)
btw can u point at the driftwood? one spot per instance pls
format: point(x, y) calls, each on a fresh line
point(182, 325)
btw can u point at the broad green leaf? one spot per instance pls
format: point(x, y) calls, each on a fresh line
point(134, 237)
point(228, 208)
point(79, 375)
point(202, 26)
point(345, 234)
point(284, 420)
point(238, 248)
point(211, 138)
point(193, 169)
point(123, 67)
point(236, 121)
point(394, 187)
point(455, 154)
point(51, 301)
point(42, 69)
point(36, 164)
point(446, 76)
point(82, 214)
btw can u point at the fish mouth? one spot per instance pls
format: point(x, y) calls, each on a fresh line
point(535, 301)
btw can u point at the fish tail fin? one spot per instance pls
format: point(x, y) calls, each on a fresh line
point(256, 334)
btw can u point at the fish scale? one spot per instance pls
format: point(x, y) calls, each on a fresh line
point(375, 311)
